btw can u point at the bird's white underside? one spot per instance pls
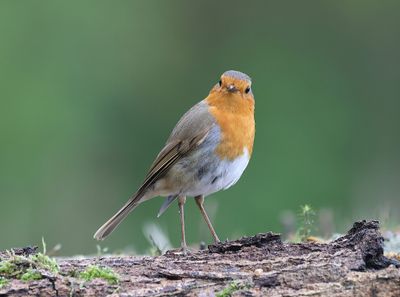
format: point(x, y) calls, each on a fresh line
point(229, 172)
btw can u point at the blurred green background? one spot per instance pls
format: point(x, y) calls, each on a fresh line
point(89, 92)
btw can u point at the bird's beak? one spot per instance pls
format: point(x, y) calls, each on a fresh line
point(231, 88)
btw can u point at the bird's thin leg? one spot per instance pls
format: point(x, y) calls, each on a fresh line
point(200, 201)
point(181, 203)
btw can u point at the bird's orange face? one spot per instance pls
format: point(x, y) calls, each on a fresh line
point(233, 92)
point(234, 87)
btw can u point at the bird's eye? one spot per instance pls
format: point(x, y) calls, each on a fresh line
point(247, 90)
point(220, 82)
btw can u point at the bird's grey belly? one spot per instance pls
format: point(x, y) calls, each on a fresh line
point(202, 172)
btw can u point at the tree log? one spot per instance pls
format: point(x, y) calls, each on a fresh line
point(262, 265)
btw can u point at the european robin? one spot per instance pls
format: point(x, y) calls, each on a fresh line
point(207, 151)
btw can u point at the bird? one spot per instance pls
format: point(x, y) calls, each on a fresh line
point(207, 151)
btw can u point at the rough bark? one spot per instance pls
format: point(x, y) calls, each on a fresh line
point(262, 265)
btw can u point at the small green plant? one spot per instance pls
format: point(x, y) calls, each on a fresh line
point(94, 271)
point(231, 288)
point(307, 215)
point(158, 239)
point(101, 251)
point(154, 250)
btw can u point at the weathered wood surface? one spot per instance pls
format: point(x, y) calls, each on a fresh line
point(353, 265)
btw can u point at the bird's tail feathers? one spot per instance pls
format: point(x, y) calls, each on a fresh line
point(116, 219)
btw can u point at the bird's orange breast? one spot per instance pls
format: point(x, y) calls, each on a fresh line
point(235, 117)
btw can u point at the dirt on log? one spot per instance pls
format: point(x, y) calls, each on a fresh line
point(262, 265)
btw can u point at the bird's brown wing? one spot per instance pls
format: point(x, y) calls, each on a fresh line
point(171, 153)
point(189, 133)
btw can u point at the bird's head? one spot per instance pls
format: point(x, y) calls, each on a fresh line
point(233, 89)
point(234, 82)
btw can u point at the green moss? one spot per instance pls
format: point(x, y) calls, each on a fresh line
point(8, 268)
point(3, 282)
point(30, 275)
point(45, 262)
point(106, 273)
point(27, 268)
point(231, 288)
